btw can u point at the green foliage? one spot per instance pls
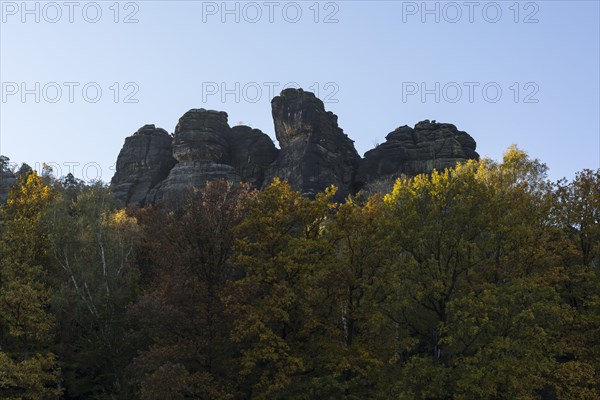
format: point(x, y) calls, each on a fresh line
point(280, 250)
point(577, 214)
point(477, 282)
point(181, 316)
point(27, 369)
point(93, 246)
point(33, 378)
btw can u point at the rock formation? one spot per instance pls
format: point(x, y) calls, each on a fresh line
point(315, 153)
point(412, 151)
point(7, 179)
point(144, 161)
point(203, 148)
point(201, 151)
point(251, 152)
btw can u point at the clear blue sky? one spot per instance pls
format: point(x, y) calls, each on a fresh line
point(370, 64)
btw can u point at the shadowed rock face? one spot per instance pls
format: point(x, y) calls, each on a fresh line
point(144, 161)
point(251, 153)
point(7, 179)
point(204, 148)
point(412, 151)
point(315, 151)
point(202, 152)
point(201, 135)
point(187, 175)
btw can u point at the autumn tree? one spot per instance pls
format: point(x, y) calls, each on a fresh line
point(28, 369)
point(92, 244)
point(188, 258)
point(476, 291)
point(477, 282)
point(281, 252)
point(577, 215)
point(353, 346)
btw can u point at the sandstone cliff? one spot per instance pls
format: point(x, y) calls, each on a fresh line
point(144, 161)
point(315, 153)
point(7, 179)
point(206, 148)
point(412, 151)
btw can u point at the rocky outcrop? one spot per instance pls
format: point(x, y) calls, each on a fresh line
point(7, 179)
point(251, 152)
point(207, 149)
point(412, 151)
point(315, 151)
point(153, 166)
point(201, 150)
point(144, 161)
point(201, 135)
point(187, 175)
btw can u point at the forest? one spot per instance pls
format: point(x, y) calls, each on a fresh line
point(476, 282)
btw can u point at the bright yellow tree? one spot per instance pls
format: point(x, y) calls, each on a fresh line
point(28, 369)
